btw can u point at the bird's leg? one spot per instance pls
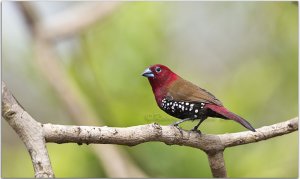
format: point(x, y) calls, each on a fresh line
point(175, 124)
point(197, 126)
point(179, 122)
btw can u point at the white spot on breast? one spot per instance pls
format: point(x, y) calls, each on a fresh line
point(196, 110)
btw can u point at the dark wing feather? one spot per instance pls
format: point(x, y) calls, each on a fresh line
point(182, 90)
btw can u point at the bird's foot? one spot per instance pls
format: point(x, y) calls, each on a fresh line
point(196, 130)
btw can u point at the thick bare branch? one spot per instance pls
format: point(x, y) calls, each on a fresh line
point(168, 134)
point(29, 131)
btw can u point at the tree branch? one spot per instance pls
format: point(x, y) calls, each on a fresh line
point(213, 145)
point(263, 133)
point(217, 164)
point(30, 132)
point(168, 134)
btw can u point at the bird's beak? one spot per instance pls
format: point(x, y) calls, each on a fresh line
point(148, 73)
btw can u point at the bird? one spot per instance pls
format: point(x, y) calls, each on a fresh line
point(186, 101)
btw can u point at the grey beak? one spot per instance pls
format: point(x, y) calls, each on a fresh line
point(148, 73)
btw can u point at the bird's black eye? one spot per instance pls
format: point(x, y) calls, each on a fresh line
point(158, 69)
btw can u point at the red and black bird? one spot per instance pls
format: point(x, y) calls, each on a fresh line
point(184, 100)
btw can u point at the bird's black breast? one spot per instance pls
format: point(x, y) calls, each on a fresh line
point(183, 109)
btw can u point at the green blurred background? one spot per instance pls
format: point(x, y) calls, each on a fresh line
point(246, 53)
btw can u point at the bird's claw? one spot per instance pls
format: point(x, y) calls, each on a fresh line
point(196, 130)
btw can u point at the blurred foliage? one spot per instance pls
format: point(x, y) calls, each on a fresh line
point(261, 85)
point(81, 162)
point(124, 40)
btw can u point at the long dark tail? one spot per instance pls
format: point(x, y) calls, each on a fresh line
point(229, 115)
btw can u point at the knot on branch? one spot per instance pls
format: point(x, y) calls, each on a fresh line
point(8, 112)
point(156, 129)
point(292, 125)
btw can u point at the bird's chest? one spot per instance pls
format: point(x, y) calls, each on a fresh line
point(183, 109)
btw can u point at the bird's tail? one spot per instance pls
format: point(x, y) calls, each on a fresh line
point(229, 115)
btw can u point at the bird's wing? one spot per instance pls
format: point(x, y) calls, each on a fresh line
point(183, 90)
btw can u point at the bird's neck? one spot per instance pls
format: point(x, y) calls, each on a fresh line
point(160, 86)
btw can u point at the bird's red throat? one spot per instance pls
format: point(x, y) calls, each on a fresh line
point(161, 84)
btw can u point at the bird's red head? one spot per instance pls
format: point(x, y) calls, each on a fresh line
point(160, 77)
